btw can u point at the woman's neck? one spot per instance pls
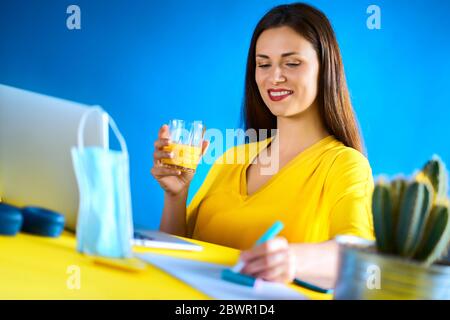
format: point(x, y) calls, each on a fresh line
point(297, 133)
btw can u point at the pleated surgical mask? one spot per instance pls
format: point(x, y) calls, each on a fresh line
point(104, 225)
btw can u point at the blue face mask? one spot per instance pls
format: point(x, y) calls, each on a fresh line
point(104, 225)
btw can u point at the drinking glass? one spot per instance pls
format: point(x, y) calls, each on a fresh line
point(186, 145)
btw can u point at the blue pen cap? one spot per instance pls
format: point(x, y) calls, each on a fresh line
point(238, 278)
point(271, 233)
point(42, 222)
point(10, 220)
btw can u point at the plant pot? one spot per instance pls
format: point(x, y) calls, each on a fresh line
point(367, 275)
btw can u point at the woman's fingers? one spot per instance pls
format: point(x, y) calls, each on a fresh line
point(273, 245)
point(158, 155)
point(164, 172)
point(283, 272)
point(164, 132)
point(271, 261)
point(163, 138)
point(276, 273)
point(266, 262)
point(161, 143)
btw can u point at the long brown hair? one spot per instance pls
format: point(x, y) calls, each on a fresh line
point(333, 97)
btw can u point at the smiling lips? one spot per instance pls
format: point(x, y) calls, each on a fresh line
point(279, 94)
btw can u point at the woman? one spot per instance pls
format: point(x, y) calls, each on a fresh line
point(295, 83)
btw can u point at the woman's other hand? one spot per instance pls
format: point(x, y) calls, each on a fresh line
point(273, 260)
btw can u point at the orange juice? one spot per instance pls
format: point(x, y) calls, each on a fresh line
point(185, 157)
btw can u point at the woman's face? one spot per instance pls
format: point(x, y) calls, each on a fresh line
point(287, 71)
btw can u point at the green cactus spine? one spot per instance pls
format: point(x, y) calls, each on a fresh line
point(414, 211)
point(382, 216)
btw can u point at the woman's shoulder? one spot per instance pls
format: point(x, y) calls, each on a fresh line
point(346, 158)
point(342, 154)
point(349, 172)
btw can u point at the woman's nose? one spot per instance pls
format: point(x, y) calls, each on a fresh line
point(277, 76)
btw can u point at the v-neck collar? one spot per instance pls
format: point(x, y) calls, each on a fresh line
point(262, 145)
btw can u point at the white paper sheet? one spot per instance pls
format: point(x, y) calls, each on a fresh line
point(205, 277)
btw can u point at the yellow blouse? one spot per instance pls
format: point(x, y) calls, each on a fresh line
point(324, 191)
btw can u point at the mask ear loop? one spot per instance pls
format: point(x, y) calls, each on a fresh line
point(82, 125)
point(119, 136)
point(112, 124)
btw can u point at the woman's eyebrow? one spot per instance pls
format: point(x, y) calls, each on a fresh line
point(287, 54)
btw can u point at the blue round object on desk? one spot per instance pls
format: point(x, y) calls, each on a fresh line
point(10, 220)
point(42, 222)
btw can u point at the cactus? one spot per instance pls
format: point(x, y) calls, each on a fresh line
point(411, 219)
point(398, 187)
point(382, 217)
point(436, 237)
point(415, 207)
point(436, 172)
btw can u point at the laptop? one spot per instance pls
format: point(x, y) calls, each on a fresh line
point(36, 134)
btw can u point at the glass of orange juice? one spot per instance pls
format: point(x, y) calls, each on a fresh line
point(186, 145)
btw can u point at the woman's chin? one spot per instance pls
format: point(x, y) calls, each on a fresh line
point(278, 109)
point(285, 112)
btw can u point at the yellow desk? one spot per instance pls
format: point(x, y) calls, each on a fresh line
point(33, 267)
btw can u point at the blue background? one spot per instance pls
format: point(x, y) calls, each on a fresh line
point(149, 61)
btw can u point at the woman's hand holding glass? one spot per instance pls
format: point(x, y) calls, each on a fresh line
point(174, 181)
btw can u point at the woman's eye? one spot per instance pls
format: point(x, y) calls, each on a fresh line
point(264, 66)
point(293, 64)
